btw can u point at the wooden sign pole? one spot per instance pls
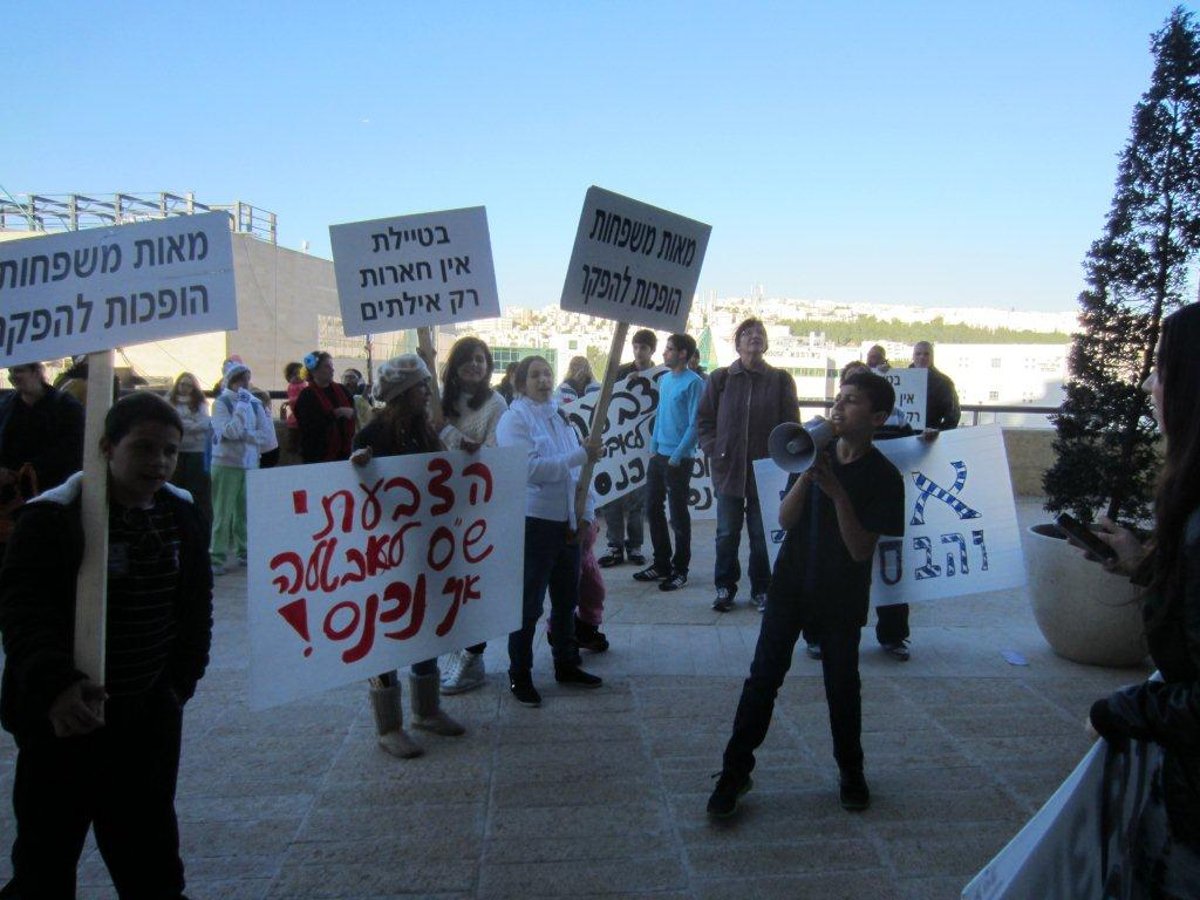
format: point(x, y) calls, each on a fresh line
point(600, 416)
point(429, 352)
point(91, 585)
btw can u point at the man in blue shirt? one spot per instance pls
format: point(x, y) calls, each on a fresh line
point(669, 475)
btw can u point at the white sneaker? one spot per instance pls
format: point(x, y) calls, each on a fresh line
point(462, 671)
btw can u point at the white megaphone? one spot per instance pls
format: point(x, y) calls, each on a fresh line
point(794, 447)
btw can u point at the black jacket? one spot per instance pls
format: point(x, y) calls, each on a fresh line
point(1168, 712)
point(57, 420)
point(37, 606)
point(942, 411)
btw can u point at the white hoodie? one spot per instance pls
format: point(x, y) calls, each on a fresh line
point(241, 430)
point(555, 458)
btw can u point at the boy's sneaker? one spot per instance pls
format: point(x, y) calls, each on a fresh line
point(589, 637)
point(856, 796)
point(523, 690)
point(635, 557)
point(576, 677)
point(813, 650)
point(219, 569)
point(759, 601)
point(724, 799)
point(724, 601)
point(610, 559)
point(651, 573)
point(897, 651)
point(675, 582)
point(463, 672)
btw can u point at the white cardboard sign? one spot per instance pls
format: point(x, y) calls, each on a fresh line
point(627, 433)
point(100, 288)
point(960, 527)
point(414, 271)
point(633, 262)
point(912, 396)
point(1081, 842)
point(357, 571)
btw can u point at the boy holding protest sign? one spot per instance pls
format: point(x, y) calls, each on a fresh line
point(106, 756)
point(834, 513)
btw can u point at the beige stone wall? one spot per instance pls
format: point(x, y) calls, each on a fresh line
point(1030, 454)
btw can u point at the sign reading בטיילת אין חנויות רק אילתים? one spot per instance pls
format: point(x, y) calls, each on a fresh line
point(99, 288)
point(633, 262)
point(414, 271)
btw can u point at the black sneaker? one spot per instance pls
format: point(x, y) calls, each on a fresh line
point(856, 796)
point(635, 557)
point(610, 559)
point(575, 676)
point(651, 573)
point(724, 601)
point(897, 651)
point(523, 690)
point(674, 583)
point(590, 637)
point(724, 799)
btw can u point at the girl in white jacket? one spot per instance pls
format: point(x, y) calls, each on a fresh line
point(552, 548)
point(242, 431)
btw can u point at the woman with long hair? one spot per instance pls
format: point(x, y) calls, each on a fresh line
point(580, 381)
point(404, 427)
point(191, 471)
point(1167, 849)
point(324, 412)
point(552, 554)
point(471, 410)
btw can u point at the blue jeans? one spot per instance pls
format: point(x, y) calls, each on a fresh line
point(781, 626)
point(550, 563)
point(623, 526)
point(727, 571)
point(669, 485)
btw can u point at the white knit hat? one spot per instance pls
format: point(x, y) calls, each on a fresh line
point(399, 374)
point(232, 369)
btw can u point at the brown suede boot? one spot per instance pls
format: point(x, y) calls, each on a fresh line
point(389, 721)
point(427, 709)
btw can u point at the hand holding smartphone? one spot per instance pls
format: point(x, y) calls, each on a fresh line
point(1082, 536)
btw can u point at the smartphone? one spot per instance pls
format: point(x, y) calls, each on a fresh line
point(1072, 527)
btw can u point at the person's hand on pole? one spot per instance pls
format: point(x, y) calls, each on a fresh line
point(78, 710)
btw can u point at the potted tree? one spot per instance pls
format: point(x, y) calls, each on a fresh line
point(1106, 436)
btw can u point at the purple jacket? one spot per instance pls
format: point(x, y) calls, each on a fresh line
point(738, 410)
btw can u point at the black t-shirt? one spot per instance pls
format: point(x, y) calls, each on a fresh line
point(814, 566)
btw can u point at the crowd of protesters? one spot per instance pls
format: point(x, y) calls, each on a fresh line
point(194, 504)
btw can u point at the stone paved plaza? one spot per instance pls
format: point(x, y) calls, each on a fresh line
point(602, 793)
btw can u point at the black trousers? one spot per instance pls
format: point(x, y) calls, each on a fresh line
point(120, 780)
point(781, 626)
point(669, 485)
point(891, 627)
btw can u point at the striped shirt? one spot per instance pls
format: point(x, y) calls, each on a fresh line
point(143, 581)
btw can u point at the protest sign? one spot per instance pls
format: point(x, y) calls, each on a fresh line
point(625, 437)
point(1080, 843)
point(960, 529)
point(100, 288)
point(414, 271)
point(912, 395)
point(634, 263)
point(355, 571)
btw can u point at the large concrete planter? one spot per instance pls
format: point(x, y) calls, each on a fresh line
point(1086, 614)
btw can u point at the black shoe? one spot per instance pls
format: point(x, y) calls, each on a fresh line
point(610, 559)
point(897, 651)
point(856, 796)
point(724, 601)
point(635, 557)
point(590, 637)
point(724, 799)
point(651, 573)
point(573, 675)
point(674, 583)
point(523, 690)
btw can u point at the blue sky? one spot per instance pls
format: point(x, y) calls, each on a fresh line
point(951, 153)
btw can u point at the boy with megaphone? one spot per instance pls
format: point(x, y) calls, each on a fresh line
point(834, 512)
